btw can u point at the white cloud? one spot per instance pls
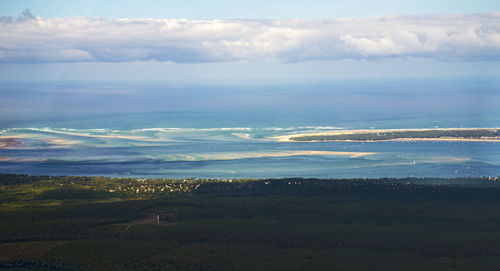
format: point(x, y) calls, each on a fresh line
point(449, 37)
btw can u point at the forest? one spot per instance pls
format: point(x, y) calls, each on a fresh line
point(409, 134)
point(97, 223)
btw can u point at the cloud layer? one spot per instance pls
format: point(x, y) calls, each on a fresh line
point(30, 39)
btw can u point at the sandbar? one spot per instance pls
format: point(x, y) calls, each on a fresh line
point(233, 156)
point(8, 142)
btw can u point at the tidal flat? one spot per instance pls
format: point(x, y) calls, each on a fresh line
point(96, 223)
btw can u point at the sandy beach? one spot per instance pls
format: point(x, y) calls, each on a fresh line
point(288, 138)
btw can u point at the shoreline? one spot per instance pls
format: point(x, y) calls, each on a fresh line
point(288, 138)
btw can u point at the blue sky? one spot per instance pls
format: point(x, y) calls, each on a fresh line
point(256, 9)
point(278, 41)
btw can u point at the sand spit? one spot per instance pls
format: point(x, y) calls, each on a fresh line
point(447, 139)
point(233, 156)
point(136, 138)
point(288, 138)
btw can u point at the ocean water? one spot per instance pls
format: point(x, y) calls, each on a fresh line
point(160, 130)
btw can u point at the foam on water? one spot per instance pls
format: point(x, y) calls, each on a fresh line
point(168, 131)
point(221, 152)
point(234, 152)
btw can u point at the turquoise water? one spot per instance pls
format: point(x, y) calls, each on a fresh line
point(229, 132)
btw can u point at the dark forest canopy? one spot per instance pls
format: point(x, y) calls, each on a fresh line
point(96, 223)
point(485, 134)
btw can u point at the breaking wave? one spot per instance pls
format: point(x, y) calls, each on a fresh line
point(116, 132)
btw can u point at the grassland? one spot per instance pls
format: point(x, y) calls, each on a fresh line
point(83, 223)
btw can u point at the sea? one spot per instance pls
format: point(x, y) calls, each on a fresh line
point(215, 130)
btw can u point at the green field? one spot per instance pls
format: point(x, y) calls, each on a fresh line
point(83, 223)
point(484, 134)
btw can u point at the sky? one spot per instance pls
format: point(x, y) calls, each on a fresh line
point(256, 9)
point(248, 41)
